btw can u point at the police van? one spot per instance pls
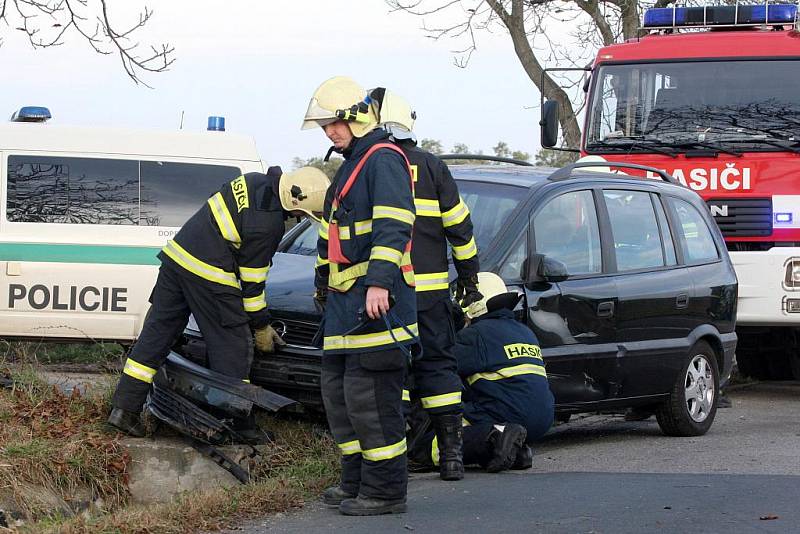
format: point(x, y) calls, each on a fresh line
point(85, 211)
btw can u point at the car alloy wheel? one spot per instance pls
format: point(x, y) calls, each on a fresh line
point(699, 392)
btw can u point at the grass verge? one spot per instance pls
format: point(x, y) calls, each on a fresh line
point(301, 463)
point(29, 352)
point(53, 452)
point(55, 458)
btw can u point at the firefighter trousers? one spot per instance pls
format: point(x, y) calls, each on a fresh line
point(362, 397)
point(435, 378)
point(222, 321)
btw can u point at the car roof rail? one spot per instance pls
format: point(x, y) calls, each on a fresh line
point(487, 158)
point(565, 173)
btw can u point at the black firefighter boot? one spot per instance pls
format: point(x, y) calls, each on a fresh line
point(128, 422)
point(350, 484)
point(450, 436)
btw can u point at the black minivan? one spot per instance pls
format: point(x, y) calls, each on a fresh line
point(627, 283)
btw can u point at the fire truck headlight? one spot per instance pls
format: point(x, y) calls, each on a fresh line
point(792, 273)
point(785, 218)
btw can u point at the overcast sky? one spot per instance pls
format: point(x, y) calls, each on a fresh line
point(257, 63)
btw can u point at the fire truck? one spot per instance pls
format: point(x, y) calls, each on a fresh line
point(712, 96)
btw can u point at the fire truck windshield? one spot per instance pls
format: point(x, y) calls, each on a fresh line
point(737, 105)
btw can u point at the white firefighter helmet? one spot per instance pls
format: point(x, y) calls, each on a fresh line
point(495, 296)
point(394, 113)
point(304, 190)
point(341, 98)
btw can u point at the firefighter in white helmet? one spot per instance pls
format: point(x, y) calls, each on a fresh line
point(442, 219)
point(364, 275)
point(216, 268)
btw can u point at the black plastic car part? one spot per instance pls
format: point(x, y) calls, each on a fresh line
point(210, 388)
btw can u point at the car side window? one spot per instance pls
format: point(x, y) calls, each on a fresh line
point(697, 242)
point(566, 229)
point(637, 240)
point(511, 268)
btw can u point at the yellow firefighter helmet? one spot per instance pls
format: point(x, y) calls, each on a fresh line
point(304, 190)
point(341, 98)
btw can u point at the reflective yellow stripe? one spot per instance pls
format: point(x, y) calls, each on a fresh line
point(435, 450)
point(321, 261)
point(465, 252)
point(427, 208)
point(431, 281)
point(337, 277)
point(254, 304)
point(390, 212)
point(406, 395)
point(455, 215)
point(351, 447)
point(362, 227)
point(138, 371)
point(508, 372)
point(200, 268)
point(387, 254)
point(323, 230)
point(376, 339)
point(246, 380)
point(224, 220)
point(254, 274)
point(437, 401)
point(385, 453)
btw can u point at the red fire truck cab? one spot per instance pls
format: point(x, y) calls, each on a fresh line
point(712, 96)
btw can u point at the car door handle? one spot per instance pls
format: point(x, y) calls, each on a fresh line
point(682, 301)
point(605, 309)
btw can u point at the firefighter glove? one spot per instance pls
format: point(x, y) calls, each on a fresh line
point(266, 338)
point(467, 291)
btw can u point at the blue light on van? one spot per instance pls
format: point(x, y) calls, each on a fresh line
point(31, 114)
point(216, 124)
point(719, 15)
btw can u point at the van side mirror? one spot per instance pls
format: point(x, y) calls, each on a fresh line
point(540, 268)
point(549, 123)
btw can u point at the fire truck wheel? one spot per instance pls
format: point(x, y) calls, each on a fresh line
point(692, 404)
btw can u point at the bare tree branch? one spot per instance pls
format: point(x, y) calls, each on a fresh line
point(46, 23)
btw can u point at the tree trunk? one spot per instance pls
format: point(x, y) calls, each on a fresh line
point(515, 22)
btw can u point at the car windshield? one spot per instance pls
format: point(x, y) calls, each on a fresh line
point(490, 206)
point(750, 104)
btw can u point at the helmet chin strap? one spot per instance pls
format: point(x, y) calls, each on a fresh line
point(331, 150)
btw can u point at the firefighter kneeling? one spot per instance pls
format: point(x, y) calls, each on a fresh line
point(507, 401)
point(215, 269)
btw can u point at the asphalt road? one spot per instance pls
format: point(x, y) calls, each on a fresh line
point(601, 474)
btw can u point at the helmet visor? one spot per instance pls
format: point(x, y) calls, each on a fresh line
point(316, 115)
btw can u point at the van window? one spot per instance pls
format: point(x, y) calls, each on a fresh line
point(566, 229)
point(48, 189)
point(72, 190)
point(172, 192)
point(637, 241)
point(697, 243)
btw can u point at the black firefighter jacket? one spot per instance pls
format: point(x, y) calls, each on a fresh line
point(228, 244)
point(442, 217)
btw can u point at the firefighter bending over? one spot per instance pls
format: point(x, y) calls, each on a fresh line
point(364, 274)
point(215, 269)
point(442, 217)
point(507, 401)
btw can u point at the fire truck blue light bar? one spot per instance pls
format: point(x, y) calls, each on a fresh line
point(666, 17)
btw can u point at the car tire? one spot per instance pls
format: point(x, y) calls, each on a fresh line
point(692, 403)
